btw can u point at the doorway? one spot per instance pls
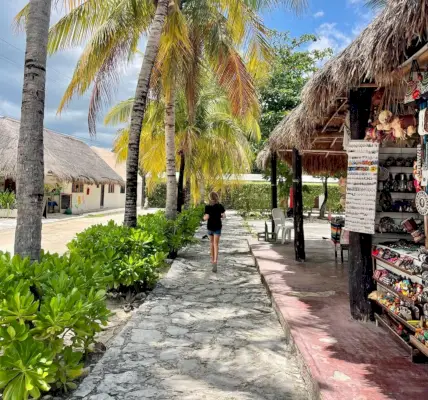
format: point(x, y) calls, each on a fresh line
point(102, 196)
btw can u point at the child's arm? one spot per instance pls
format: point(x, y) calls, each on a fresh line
point(206, 217)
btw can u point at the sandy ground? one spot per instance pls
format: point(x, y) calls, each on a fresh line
point(56, 234)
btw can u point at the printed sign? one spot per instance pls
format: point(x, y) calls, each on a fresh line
point(361, 190)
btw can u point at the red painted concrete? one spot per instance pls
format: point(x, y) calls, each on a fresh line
point(348, 359)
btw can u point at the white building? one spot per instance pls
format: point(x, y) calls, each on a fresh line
point(77, 179)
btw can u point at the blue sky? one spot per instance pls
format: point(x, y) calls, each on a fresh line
point(334, 22)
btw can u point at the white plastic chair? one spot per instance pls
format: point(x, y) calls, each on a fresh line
point(282, 225)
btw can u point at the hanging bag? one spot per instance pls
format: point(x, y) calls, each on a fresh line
point(414, 83)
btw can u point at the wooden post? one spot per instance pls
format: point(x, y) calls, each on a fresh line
point(299, 236)
point(180, 185)
point(360, 263)
point(273, 184)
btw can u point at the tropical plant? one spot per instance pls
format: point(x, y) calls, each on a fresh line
point(212, 28)
point(50, 312)
point(7, 200)
point(30, 170)
point(217, 144)
point(131, 257)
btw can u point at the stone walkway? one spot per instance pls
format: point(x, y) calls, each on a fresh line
point(201, 336)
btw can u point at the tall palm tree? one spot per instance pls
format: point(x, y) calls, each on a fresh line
point(114, 28)
point(138, 110)
point(217, 143)
point(30, 165)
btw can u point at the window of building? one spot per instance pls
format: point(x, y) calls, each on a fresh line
point(122, 189)
point(77, 187)
point(111, 188)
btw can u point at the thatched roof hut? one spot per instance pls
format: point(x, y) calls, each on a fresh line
point(375, 56)
point(379, 57)
point(66, 158)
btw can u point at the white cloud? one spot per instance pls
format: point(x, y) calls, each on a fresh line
point(9, 109)
point(319, 14)
point(329, 36)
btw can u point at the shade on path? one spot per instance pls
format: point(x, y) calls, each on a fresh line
point(201, 336)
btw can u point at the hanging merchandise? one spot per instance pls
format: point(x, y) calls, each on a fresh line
point(423, 121)
point(417, 83)
point(391, 127)
point(422, 202)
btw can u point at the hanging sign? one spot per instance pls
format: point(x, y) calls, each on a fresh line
point(361, 189)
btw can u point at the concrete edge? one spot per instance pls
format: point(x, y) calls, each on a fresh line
point(311, 383)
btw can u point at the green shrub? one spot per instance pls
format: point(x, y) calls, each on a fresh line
point(7, 200)
point(130, 257)
point(157, 197)
point(49, 314)
point(313, 191)
point(173, 234)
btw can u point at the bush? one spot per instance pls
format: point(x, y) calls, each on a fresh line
point(49, 314)
point(313, 191)
point(7, 200)
point(175, 234)
point(157, 197)
point(130, 257)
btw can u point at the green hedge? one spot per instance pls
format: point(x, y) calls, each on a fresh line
point(256, 197)
point(50, 311)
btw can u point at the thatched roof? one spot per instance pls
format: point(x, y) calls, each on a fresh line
point(375, 56)
point(67, 158)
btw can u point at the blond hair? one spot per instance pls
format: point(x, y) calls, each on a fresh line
point(214, 198)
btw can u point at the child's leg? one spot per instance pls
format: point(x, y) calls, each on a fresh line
point(216, 245)
point(212, 253)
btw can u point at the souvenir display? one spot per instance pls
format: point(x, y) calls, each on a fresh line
point(422, 202)
point(361, 188)
point(390, 127)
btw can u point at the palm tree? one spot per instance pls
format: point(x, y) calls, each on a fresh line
point(218, 27)
point(30, 166)
point(217, 143)
point(138, 110)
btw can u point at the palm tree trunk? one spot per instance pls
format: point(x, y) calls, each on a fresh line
point(171, 183)
point(202, 191)
point(180, 189)
point(30, 158)
point(138, 111)
point(143, 189)
point(187, 194)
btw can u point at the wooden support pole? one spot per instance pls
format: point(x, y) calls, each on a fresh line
point(299, 236)
point(274, 183)
point(360, 263)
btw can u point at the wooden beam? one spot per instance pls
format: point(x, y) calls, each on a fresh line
point(334, 142)
point(328, 136)
point(321, 151)
point(360, 263)
point(299, 235)
point(334, 115)
point(368, 85)
point(273, 183)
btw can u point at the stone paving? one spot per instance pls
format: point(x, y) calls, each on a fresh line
point(201, 335)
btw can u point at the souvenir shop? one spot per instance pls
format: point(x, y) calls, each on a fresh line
point(386, 197)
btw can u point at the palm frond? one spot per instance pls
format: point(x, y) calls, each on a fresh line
point(120, 113)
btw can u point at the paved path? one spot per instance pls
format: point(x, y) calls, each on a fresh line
point(201, 336)
point(56, 235)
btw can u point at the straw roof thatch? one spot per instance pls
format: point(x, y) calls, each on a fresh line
point(325, 158)
point(67, 158)
point(374, 56)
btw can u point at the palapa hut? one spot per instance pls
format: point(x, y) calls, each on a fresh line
point(379, 58)
point(75, 176)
